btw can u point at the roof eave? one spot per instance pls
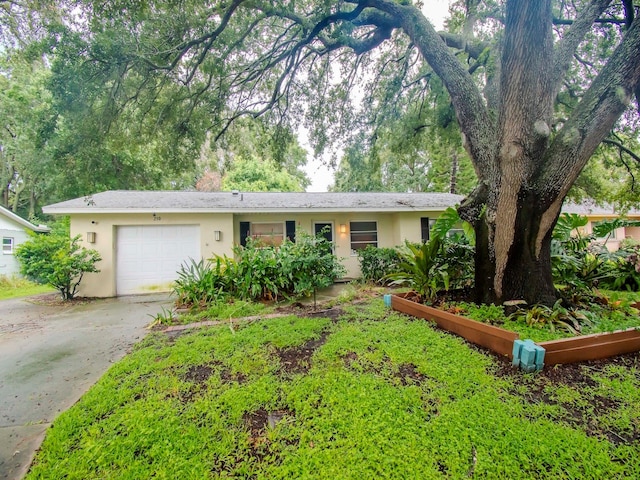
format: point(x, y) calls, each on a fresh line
point(103, 211)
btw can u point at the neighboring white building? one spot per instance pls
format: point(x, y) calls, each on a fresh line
point(13, 231)
point(144, 236)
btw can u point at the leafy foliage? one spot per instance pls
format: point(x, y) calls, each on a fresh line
point(418, 269)
point(443, 262)
point(378, 262)
point(554, 317)
point(261, 271)
point(200, 283)
point(581, 263)
point(54, 260)
point(252, 175)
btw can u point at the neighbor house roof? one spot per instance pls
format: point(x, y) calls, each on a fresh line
point(239, 202)
point(589, 208)
point(22, 222)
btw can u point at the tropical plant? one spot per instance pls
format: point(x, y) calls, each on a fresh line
point(55, 260)
point(456, 258)
point(580, 263)
point(260, 271)
point(623, 270)
point(201, 282)
point(417, 269)
point(570, 320)
point(447, 221)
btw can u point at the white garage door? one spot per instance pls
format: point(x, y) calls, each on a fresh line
point(148, 256)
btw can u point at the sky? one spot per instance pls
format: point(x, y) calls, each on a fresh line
point(322, 176)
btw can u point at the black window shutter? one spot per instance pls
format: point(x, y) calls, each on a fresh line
point(291, 230)
point(245, 228)
point(424, 228)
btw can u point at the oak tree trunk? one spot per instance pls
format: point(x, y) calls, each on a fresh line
point(527, 273)
point(525, 161)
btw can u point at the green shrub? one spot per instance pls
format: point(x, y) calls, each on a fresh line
point(376, 263)
point(441, 263)
point(623, 270)
point(310, 262)
point(55, 260)
point(456, 257)
point(581, 264)
point(261, 272)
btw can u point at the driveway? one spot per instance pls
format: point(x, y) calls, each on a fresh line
point(50, 355)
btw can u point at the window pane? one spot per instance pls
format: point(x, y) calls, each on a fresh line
point(363, 234)
point(268, 233)
point(364, 226)
point(7, 245)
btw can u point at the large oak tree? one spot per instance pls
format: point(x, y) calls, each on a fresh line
point(284, 60)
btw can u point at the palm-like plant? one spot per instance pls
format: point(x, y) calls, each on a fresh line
point(418, 269)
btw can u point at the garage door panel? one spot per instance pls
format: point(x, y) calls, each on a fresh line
point(149, 256)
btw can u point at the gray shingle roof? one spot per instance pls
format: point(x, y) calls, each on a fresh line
point(25, 223)
point(175, 201)
point(589, 208)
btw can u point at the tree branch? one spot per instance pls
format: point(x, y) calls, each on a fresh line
point(594, 117)
point(473, 117)
point(622, 148)
point(566, 48)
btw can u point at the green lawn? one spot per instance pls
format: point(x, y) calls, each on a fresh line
point(13, 287)
point(372, 394)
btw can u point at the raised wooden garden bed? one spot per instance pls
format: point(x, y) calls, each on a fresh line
point(496, 339)
point(501, 341)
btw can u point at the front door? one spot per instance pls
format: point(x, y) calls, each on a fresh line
point(326, 228)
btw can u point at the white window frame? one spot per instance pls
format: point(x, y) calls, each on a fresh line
point(11, 244)
point(268, 239)
point(362, 243)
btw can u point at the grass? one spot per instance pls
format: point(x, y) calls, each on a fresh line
point(14, 287)
point(373, 394)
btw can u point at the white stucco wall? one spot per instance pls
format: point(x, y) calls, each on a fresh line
point(103, 284)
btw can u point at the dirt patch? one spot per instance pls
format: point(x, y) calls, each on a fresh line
point(258, 422)
point(55, 300)
point(406, 373)
point(198, 373)
point(409, 375)
point(298, 359)
point(302, 310)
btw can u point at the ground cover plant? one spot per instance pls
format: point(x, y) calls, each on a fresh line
point(356, 392)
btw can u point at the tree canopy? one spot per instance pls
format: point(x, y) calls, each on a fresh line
point(534, 88)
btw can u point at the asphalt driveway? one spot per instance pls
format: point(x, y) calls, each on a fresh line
point(50, 355)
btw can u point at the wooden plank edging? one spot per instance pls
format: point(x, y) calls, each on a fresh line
point(566, 350)
point(591, 347)
point(496, 339)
